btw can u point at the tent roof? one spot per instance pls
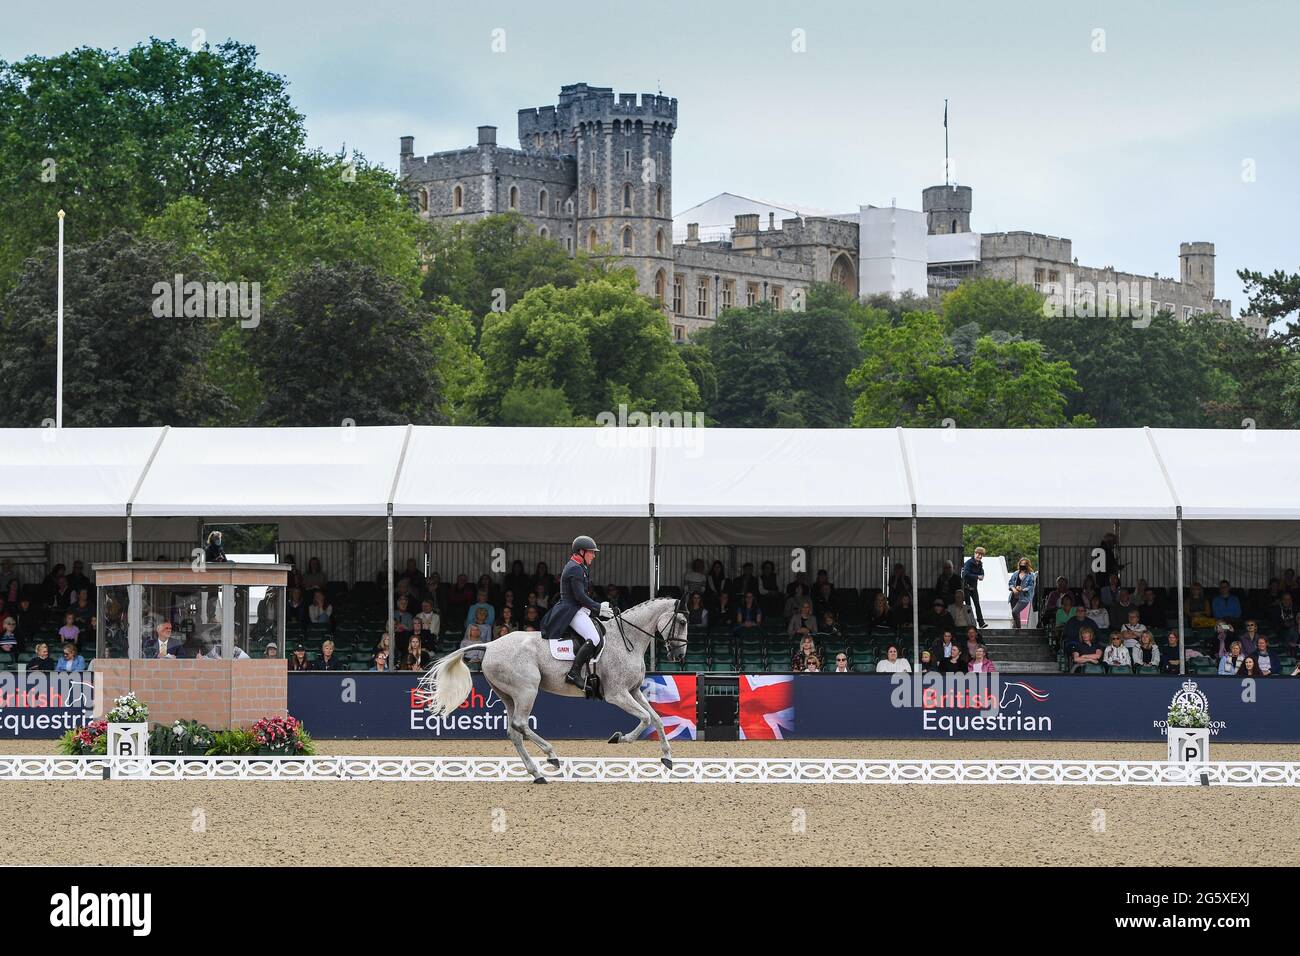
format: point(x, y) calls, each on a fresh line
point(780, 472)
point(236, 472)
point(1251, 473)
point(997, 473)
point(71, 472)
point(531, 472)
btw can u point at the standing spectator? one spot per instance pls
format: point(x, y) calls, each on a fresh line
point(42, 660)
point(972, 573)
point(1021, 590)
point(893, 664)
point(1117, 654)
point(947, 583)
point(1225, 605)
point(328, 661)
point(213, 552)
point(1109, 558)
point(980, 663)
point(71, 661)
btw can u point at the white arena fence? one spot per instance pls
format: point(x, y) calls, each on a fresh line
point(704, 770)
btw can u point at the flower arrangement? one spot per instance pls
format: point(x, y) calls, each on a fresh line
point(85, 741)
point(232, 743)
point(128, 709)
point(183, 737)
point(1187, 716)
point(282, 735)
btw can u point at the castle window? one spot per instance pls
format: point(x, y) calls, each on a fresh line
point(591, 200)
point(660, 287)
point(659, 199)
point(423, 199)
point(659, 242)
point(728, 294)
point(458, 199)
point(591, 239)
point(1039, 275)
point(751, 294)
point(677, 294)
point(627, 159)
point(514, 197)
point(954, 226)
point(541, 202)
point(544, 232)
point(679, 333)
point(702, 298)
point(776, 297)
point(627, 238)
point(627, 196)
point(537, 140)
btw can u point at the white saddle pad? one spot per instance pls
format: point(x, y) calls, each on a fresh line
point(562, 650)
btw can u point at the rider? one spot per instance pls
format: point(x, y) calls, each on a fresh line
point(574, 607)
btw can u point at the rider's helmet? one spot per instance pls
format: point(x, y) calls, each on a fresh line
point(583, 542)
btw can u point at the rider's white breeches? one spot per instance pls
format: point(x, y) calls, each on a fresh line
point(582, 623)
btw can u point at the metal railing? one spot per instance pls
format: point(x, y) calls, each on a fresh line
point(1243, 566)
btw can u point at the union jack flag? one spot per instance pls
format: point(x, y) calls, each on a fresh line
point(673, 698)
point(766, 706)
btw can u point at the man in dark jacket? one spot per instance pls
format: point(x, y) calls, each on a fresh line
point(573, 609)
point(972, 573)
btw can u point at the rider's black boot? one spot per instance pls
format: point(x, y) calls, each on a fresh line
point(580, 657)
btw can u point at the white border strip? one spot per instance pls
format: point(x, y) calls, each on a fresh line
point(1152, 773)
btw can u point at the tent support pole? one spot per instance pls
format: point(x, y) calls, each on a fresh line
point(1182, 615)
point(884, 556)
point(130, 538)
point(654, 589)
point(916, 611)
point(390, 626)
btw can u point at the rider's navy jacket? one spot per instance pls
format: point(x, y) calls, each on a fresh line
point(574, 581)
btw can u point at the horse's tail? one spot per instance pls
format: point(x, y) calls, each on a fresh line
point(447, 683)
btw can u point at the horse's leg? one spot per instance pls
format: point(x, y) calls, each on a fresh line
point(518, 727)
point(623, 700)
point(542, 742)
point(658, 722)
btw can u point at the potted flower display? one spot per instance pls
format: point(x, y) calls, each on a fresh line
point(88, 741)
point(128, 727)
point(282, 737)
point(185, 738)
point(1187, 727)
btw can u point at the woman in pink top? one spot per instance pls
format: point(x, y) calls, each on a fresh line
point(980, 663)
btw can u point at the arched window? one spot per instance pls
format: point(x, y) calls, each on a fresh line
point(659, 242)
point(541, 202)
point(627, 196)
point(661, 286)
point(544, 232)
point(458, 199)
point(659, 199)
point(627, 238)
point(514, 197)
point(591, 200)
point(424, 199)
point(591, 239)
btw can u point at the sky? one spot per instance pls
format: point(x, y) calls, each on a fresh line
point(1125, 127)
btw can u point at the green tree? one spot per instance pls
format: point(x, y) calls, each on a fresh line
point(600, 343)
point(996, 305)
point(344, 341)
point(535, 406)
point(1275, 296)
point(123, 365)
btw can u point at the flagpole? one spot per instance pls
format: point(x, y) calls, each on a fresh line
point(945, 143)
point(58, 385)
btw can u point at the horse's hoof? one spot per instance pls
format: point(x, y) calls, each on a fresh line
point(667, 762)
point(614, 739)
point(539, 780)
point(554, 762)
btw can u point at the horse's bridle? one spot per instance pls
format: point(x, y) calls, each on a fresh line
point(658, 632)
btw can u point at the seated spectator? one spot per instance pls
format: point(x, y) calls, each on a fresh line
point(797, 599)
point(82, 612)
point(1098, 615)
point(767, 583)
point(272, 650)
point(799, 585)
point(1151, 613)
point(717, 583)
point(1084, 651)
point(812, 665)
point(1130, 634)
point(1283, 618)
point(1110, 590)
point(1072, 628)
point(69, 632)
point(71, 661)
point(955, 663)
point(1225, 605)
point(948, 583)
point(295, 609)
point(328, 660)
point(1052, 601)
point(1197, 611)
point(823, 599)
point(893, 664)
point(749, 614)
point(42, 660)
point(298, 659)
point(314, 579)
point(1249, 668)
point(973, 640)
point(1117, 654)
point(943, 646)
point(802, 622)
point(1172, 659)
point(939, 617)
point(484, 605)
point(320, 610)
point(878, 616)
point(829, 625)
point(429, 615)
point(1223, 639)
point(1064, 610)
point(901, 615)
point(1146, 654)
point(1119, 610)
point(505, 623)
point(416, 657)
point(980, 663)
point(532, 619)
point(164, 644)
point(542, 577)
point(694, 580)
point(842, 663)
point(745, 581)
point(480, 630)
point(379, 662)
point(900, 585)
point(1250, 637)
point(402, 616)
point(9, 638)
point(1266, 659)
point(1230, 663)
point(516, 580)
point(807, 648)
point(63, 596)
point(960, 609)
point(697, 615)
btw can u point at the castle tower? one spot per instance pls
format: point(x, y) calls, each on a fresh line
point(622, 148)
point(1196, 265)
point(947, 209)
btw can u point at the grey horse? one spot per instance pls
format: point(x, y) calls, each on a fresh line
point(519, 664)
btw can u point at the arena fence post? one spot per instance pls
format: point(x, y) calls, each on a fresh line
point(1182, 616)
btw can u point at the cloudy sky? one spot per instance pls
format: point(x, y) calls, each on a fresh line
point(1126, 127)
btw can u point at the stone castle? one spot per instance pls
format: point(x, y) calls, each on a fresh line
point(594, 172)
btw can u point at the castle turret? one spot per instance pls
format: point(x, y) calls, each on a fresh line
point(947, 209)
point(1196, 265)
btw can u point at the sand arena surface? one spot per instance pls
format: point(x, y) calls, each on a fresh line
point(359, 822)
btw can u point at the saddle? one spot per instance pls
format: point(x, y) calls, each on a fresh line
point(563, 649)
